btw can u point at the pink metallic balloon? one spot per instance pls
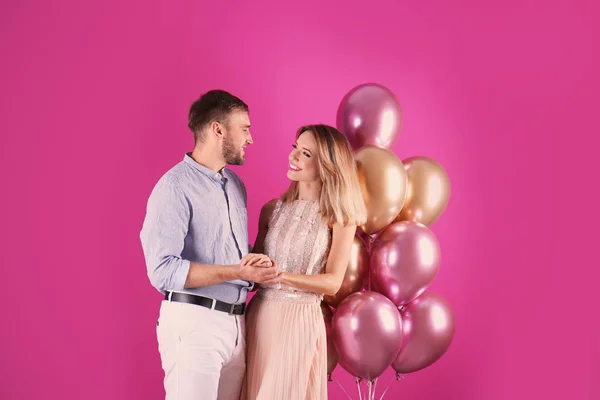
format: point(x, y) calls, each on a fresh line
point(370, 114)
point(405, 259)
point(367, 333)
point(428, 326)
point(332, 355)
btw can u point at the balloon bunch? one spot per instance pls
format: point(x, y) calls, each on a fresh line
point(384, 315)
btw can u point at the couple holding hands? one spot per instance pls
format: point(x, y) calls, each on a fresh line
point(195, 242)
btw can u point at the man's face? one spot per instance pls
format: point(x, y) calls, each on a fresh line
point(236, 137)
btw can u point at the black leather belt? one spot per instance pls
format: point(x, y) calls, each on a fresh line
point(232, 309)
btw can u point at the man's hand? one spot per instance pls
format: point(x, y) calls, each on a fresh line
point(260, 260)
point(258, 274)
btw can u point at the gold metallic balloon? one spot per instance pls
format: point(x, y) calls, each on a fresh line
point(427, 193)
point(383, 181)
point(355, 273)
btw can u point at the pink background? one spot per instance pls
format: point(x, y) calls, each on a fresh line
point(93, 111)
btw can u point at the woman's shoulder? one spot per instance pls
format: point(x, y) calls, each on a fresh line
point(267, 211)
point(270, 205)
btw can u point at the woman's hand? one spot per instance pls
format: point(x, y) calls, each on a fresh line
point(254, 259)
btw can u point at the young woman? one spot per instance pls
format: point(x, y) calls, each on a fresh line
point(308, 234)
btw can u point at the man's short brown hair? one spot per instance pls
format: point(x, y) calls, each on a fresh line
point(214, 105)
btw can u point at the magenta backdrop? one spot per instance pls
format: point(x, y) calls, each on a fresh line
point(93, 111)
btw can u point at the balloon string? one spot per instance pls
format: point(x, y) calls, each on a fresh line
point(398, 377)
point(341, 387)
point(372, 386)
point(358, 380)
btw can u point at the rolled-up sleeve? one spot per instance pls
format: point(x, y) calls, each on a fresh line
point(163, 235)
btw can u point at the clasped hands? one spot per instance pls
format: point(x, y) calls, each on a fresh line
point(259, 268)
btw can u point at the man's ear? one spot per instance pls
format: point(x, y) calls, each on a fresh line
point(216, 129)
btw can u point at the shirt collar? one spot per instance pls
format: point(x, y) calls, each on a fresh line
point(216, 176)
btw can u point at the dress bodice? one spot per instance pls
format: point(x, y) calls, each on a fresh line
point(298, 239)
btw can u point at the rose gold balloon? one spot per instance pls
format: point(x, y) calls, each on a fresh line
point(405, 259)
point(366, 238)
point(383, 182)
point(427, 193)
point(428, 328)
point(355, 273)
point(370, 114)
point(367, 332)
point(332, 355)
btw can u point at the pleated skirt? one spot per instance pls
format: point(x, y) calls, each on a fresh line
point(286, 346)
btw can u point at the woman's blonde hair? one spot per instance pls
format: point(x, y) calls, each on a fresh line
point(341, 196)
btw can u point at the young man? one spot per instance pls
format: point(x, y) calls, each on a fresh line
point(194, 237)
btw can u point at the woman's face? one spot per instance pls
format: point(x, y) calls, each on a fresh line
point(304, 159)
